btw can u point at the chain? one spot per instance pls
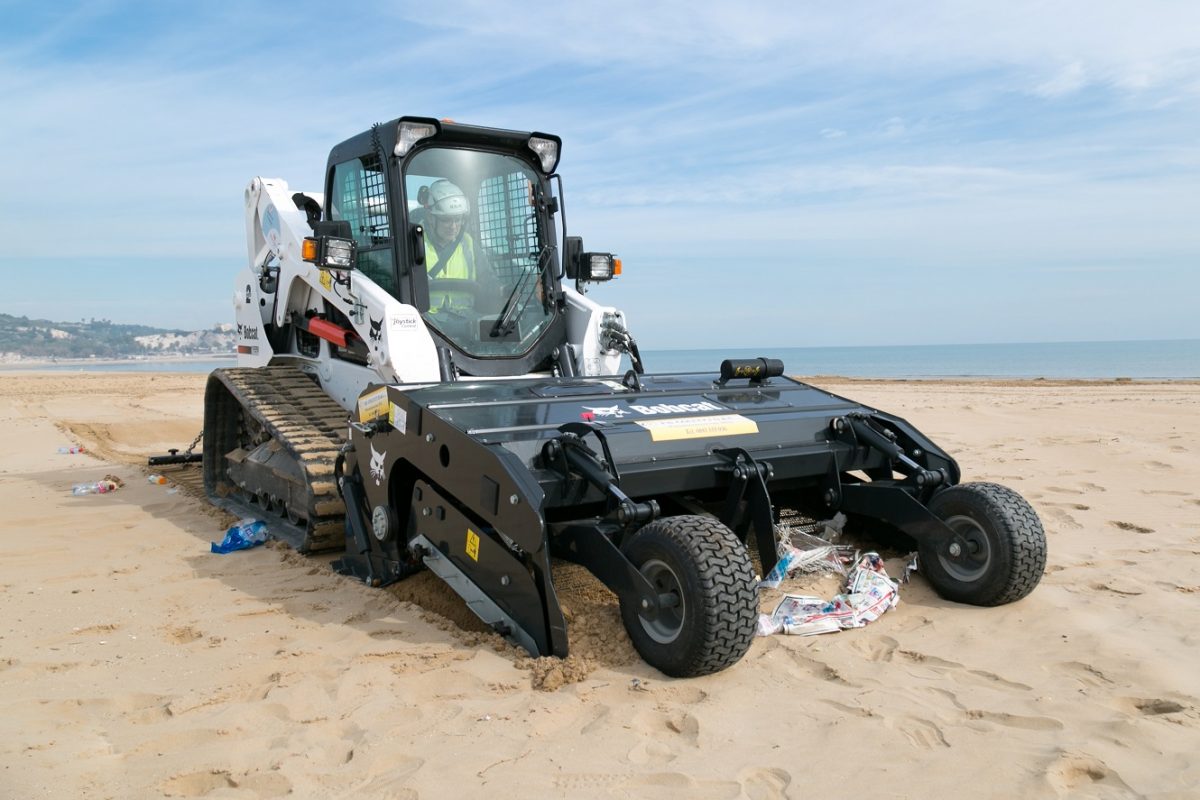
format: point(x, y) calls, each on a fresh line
point(195, 442)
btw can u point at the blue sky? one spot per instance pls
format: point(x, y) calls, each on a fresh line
point(784, 174)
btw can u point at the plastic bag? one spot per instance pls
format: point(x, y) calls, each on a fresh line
point(246, 534)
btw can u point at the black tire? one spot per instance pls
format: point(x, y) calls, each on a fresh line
point(1002, 545)
point(704, 565)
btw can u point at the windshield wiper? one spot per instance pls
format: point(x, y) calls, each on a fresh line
point(511, 310)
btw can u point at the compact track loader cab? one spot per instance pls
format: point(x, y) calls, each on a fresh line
point(423, 381)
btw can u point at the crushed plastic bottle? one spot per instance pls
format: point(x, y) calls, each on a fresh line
point(96, 487)
point(158, 479)
point(248, 533)
point(71, 450)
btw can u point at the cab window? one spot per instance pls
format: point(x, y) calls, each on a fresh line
point(489, 249)
point(359, 196)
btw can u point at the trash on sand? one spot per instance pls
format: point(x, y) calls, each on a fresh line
point(246, 534)
point(868, 594)
point(71, 450)
point(803, 552)
point(109, 483)
point(158, 479)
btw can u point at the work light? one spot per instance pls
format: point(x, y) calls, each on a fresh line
point(547, 151)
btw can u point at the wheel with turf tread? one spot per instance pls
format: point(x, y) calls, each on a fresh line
point(701, 564)
point(1002, 543)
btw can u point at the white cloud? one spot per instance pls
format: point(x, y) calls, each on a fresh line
point(1070, 78)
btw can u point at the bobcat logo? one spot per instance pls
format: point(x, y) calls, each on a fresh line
point(607, 411)
point(377, 465)
point(376, 333)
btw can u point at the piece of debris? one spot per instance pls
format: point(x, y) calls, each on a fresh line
point(246, 534)
point(805, 553)
point(109, 483)
point(868, 594)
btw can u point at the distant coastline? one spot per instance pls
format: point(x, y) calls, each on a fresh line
point(1169, 360)
point(175, 362)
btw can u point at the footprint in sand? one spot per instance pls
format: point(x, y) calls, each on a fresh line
point(1123, 589)
point(818, 669)
point(1129, 526)
point(765, 782)
point(920, 733)
point(1015, 720)
point(880, 649)
point(1085, 673)
point(1070, 774)
point(1149, 706)
point(1062, 517)
point(1158, 465)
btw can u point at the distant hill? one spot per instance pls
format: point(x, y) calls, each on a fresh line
point(22, 338)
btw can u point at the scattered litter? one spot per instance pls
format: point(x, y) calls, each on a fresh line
point(247, 533)
point(71, 450)
point(868, 594)
point(912, 566)
point(158, 479)
point(803, 552)
point(173, 490)
point(637, 685)
point(109, 483)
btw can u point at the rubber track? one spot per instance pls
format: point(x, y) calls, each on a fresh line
point(311, 427)
point(727, 578)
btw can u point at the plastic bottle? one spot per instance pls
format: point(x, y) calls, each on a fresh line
point(158, 479)
point(97, 487)
point(71, 450)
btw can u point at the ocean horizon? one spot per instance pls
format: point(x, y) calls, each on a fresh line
point(1165, 359)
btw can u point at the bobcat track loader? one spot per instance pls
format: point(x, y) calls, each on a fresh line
point(479, 424)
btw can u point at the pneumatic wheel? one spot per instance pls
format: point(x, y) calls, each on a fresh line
point(705, 583)
point(999, 552)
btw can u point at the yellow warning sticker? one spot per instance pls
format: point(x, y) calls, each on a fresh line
point(667, 430)
point(373, 405)
point(473, 544)
point(398, 418)
point(326, 280)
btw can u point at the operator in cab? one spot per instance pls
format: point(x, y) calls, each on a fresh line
point(450, 251)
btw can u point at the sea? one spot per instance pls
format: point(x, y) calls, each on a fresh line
point(1172, 359)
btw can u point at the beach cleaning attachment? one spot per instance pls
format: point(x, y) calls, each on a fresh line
point(661, 492)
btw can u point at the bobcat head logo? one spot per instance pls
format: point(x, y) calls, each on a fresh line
point(608, 411)
point(375, 330)
point(377, 465)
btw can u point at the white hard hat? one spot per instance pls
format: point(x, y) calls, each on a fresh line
point(447, 200)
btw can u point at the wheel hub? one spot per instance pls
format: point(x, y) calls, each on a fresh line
point(667, 624)
point(967, 557)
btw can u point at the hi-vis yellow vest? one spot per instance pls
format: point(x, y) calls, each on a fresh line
point(460, 266)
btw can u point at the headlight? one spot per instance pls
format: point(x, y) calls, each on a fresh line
point(547, 149)
point(330, 252)
point(599, 266)
point(409, 132)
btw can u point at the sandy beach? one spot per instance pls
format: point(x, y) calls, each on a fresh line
point(136, 664)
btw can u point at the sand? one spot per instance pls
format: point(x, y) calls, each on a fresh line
point(133, 663)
